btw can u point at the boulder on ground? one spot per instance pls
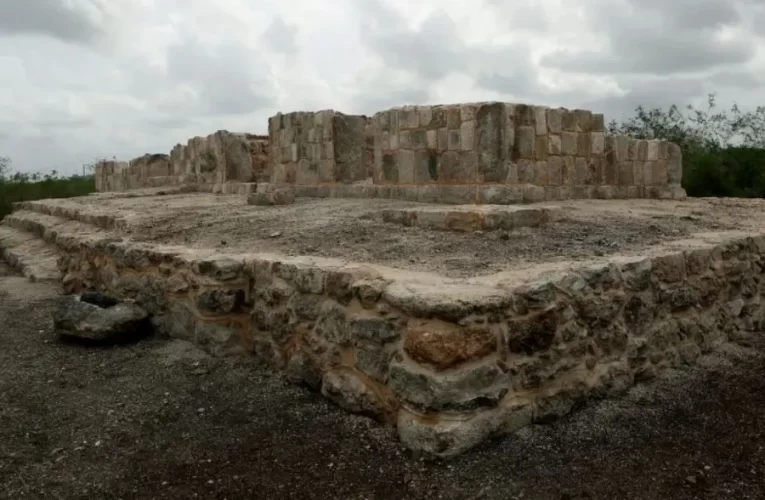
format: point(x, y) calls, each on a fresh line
point(95, 317)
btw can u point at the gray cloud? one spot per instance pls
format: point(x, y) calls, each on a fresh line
point(229, 77)
point(432, 51)
point(657, 37)
point(281, 37)
point(54, 18)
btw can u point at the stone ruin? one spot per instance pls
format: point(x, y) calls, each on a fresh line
point(222, 157)
point(475, 153)
point(449, 360)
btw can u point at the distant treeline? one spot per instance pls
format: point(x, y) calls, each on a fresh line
point(723, 151)
point(23, 187)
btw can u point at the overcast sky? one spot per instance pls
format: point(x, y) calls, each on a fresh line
point(81, 79)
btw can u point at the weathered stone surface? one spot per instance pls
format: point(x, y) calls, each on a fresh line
point(374, 329)
point(223, 301)
point(302, 368)
point(349, 391)
point(443, 346)
point(98, 318)
point(449, 436)
point(468, 388)
point(276, 196)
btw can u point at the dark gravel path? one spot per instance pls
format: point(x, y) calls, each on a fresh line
point(161, 420)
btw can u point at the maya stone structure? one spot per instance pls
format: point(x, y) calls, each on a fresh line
point(222, 157)
point(486, 153)
point(463, 337)
point(324, 147)
point(450, 361)
point(503, 153)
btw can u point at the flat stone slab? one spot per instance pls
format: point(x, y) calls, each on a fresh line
point(473, 217)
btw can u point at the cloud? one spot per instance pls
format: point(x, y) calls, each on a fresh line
point(659, 38)
point(87, 78)
point(66, 21)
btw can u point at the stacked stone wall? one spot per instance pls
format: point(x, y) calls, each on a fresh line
point(313, 148)
point(222, 157)
point(560, 153)
point(144, 171)
point(491, 152)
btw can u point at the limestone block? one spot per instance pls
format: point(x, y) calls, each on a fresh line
point(276, 196)
point(675, 165)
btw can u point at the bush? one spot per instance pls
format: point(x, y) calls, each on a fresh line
point(723, 152)
point(25, 187)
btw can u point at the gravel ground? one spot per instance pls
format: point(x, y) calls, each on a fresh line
point(354, 230)
point(161, 420)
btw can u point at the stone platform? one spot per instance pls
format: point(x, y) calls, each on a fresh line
point(453, 337)
point(473, 217)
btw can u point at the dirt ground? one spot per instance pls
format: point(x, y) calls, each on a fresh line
point(161, 420)
point(354, 230)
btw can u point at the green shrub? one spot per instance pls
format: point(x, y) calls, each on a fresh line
point(22, 187)
point(723, 151)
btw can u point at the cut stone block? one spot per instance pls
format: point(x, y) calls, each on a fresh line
point(272, 196)
point(473, 217)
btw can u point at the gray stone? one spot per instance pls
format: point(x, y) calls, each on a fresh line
point(217, 339)
point(349, 391)
point(349, 147)
point(675, 167)
point(305, 306)
point(332, 324)
point(468, 388)
point(374, 361)
point(97, 318)
point(220, 269)
point(277, 196)
point(448, 437)
point(221, 301)
point(302, 368)
point(374, 329)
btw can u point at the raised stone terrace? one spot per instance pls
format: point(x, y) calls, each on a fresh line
point(453, 336)
point(457, 271)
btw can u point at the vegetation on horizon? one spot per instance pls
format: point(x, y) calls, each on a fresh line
point(723, 151)
point(18, 186)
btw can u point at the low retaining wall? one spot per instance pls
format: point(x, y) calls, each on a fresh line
point(449, 362)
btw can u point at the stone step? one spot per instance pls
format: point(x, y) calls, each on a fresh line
point(53, 229)
point(29, 254)
point(68, 210)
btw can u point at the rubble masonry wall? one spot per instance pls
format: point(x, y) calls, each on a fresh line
point(450, 363)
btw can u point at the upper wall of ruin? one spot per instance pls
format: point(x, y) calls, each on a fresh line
point(321, 147)
point(487, 152)
point(220, 157)
point(511, 144)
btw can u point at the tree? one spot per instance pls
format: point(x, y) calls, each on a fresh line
point(723, 151)
point(694, 129)
point(5, 167)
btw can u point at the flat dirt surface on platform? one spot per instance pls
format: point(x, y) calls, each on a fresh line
point(353, 229)
point(161, 420)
